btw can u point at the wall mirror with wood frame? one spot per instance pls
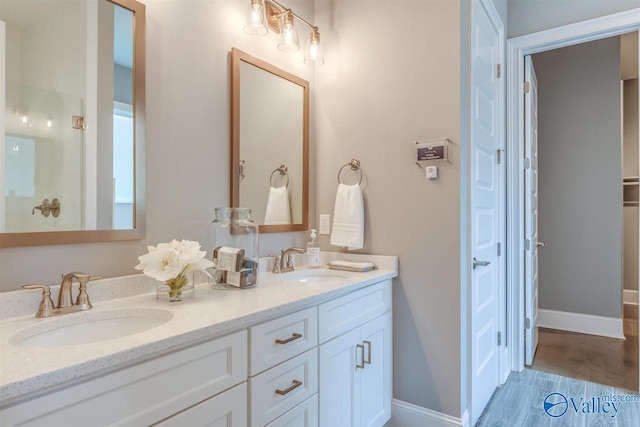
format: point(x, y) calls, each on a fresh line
point(269, 144)
point(72, 95)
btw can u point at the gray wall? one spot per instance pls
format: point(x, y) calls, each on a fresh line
point(630, 168)
point(530, 16)
point(579, 178)
point(187, 130)
point(392, 75)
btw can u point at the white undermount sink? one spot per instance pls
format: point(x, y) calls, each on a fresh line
point(313, 276)
point(90, 327)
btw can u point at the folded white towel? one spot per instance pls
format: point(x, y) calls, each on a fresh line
point(352, 264)
point(348, 218)
point(278, 211)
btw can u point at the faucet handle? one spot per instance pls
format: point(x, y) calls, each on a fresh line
point(46, 304)
point(276, 263)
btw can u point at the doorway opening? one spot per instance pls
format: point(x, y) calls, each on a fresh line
point(523, 316)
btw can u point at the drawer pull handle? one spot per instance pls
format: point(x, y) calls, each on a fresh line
point(293, 337)
point(368, 343)
point(361, 364)
point(294, 386)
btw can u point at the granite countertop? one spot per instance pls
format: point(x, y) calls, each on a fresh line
point(29, 370)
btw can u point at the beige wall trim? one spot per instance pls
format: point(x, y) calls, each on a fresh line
point(405, 414)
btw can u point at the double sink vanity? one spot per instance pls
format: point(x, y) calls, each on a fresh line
point(303, 348)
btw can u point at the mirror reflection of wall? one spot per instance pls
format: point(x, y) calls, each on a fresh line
point(271, 134)
point(67, 58)
point(270, 144)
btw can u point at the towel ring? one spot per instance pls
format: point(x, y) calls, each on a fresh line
point(283, 172)
point(355, 166)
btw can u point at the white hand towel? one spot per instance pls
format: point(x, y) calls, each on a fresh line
point(348, 218)
point(278, 211)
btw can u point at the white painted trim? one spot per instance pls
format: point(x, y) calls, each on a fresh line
point(405, 414)
point(581, 323)
point(517, 49)
point(630, 296)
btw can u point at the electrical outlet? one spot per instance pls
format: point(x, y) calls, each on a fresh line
point(325, 224)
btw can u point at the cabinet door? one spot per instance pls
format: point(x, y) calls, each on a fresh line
point(339, 388)
point(375, 378)
point(228, 409)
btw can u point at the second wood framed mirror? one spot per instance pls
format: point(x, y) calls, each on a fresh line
point(269, 144)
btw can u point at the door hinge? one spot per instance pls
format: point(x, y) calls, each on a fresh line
point(527, 323)
point(499, 338)
point(499, 155)
point(527, 244)
point(527, 87)
point(78, 122)
point(499, 249)
point(527, 163)
point(499, 70)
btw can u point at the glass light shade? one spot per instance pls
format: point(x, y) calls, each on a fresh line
point(288, 34)
point(256, 19)
point(313, 54)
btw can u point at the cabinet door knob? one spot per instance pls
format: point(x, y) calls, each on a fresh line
point(293, 337)
point(368, 343)
point(361, 364)
point(294, 386)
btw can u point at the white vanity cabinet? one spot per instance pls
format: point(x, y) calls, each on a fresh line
point(356, 358)
point(324, 361)
point(278, 388)
point(145, 393)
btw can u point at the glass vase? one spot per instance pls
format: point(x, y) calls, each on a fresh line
point(175, 290)
point(233, 231)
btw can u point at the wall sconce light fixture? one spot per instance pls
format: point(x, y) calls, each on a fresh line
point(269, 14)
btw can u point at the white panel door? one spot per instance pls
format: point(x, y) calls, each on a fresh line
point(376, 379)
point(339, 381)
point(486, 199)
point(531, 210)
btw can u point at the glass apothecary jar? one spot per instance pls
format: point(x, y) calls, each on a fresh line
point(233, 246)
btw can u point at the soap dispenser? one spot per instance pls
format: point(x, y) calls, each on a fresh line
point(313, 251)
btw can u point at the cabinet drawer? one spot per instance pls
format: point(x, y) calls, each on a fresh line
point(303, 415)
point(228, 409)
point(144, 393)
point(345, 313)
point(282, 338)
point(276, 391)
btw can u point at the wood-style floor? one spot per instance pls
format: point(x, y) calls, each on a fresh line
point(602, 360)
point(520, 403)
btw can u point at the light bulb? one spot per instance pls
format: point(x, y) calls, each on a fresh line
point(313, 54)
point(24, 121)
point(256, 20)
point(49, 124)
point(288, 34)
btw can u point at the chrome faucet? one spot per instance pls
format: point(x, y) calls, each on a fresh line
point(65, 297)
point(286, 261)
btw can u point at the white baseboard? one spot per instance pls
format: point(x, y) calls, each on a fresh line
point(582, 323)
point(630, 296)
point(405, 414)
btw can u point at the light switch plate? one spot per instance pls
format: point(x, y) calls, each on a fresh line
point(325, 224)
point(432, 172)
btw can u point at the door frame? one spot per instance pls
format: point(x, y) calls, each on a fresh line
point(517, 49)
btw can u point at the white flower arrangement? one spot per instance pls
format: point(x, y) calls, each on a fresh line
point(170, 262)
